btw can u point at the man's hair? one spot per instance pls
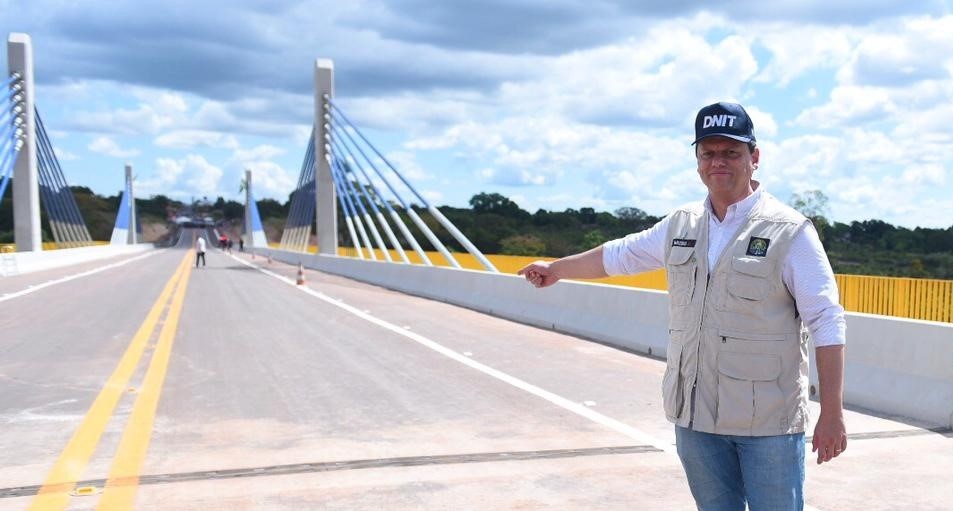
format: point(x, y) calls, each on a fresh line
point(751, 147)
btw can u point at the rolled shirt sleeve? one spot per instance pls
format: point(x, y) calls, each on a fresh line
point(636, 253)
point(809, 278)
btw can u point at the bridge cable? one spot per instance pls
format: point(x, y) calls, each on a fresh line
point(293, 205)
point(452, 229)
point(299, 221)
point(375, 192)
point(396, 219)
point(78, 225)
point(347, 208)
point(50, 201)
point(349, 188)
point(349, 173)
point(408, 208)
point(75, 225)
point(350, 216)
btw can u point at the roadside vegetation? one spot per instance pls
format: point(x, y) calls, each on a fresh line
point(497, 225)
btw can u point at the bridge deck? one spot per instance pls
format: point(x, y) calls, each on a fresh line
point(357, 397)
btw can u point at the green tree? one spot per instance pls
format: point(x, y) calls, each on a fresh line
point(593, 239)
point(813, 204)
point(523, 245)
point(495, 203)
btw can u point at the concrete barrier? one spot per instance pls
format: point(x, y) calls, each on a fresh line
point(897, 367)
point(28, 262)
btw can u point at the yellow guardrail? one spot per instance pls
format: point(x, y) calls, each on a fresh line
point(926, 299)
point(51, 245)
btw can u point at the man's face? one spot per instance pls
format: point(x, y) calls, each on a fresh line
point(726, 166)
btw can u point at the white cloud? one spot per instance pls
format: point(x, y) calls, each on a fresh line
point(109, 147)
point(191, 176)
point(799, 49)
point(62, 155)
point(190, 139)
point(849, 105)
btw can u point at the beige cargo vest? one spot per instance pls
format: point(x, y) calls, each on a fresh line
point(737, 363)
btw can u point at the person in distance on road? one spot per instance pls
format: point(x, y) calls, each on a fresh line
point(199, 251)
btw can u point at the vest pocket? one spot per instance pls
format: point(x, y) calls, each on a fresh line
point(681, 268)
point(672, 394)
point(747, 284)
point(748, 391)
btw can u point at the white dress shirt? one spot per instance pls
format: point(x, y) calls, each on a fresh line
point(806, 271)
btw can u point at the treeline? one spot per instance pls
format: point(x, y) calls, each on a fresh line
point(497, 225)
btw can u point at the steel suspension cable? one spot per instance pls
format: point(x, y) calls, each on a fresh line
point(48, 201)
point(306, 198)
point(72, 224)
point(292, 206)
point(75, 222)
point(291, 221)
point(369, 223)
point(447, 224)
point(374, 196)
point(380, 218)
point(350, 211)
point(421, 225)
point(394, 216)
point(77, 226)
point(291, 235)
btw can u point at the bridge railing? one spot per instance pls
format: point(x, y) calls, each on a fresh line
point(925, 299)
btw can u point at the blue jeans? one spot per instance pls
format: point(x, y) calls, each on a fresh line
point(725, 471)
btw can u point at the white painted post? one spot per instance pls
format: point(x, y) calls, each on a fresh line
point(132, 207)
point(26, 188)
point(326, 208)
point(249, 235)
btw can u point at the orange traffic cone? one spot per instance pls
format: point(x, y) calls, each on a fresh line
point(300, 280)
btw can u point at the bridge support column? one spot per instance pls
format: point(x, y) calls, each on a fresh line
point(26, 188)
point(326, 207)
point(249, 233)
point(132, 207)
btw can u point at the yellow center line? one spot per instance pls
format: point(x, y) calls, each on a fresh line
point(70, 466)
point(122, 485)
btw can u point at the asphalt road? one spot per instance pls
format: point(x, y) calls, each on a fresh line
point(228, 387)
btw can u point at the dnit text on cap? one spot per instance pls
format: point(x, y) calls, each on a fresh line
point(724, 120)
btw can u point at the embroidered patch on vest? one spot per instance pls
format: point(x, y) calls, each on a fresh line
point(758, 247)
point(680, 242)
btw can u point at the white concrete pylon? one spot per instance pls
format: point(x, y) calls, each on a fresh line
point(325, 197)
point(26, 187)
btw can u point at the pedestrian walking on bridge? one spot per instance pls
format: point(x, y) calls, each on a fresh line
point(749, 285)
point(199, 251)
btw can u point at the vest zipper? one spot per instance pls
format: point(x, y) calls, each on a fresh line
point(691, 418)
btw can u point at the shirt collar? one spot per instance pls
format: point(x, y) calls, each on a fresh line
point(740, 209)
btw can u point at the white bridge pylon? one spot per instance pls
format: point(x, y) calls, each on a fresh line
point(341, 162)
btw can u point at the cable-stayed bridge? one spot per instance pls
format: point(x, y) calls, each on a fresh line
point(273, 378)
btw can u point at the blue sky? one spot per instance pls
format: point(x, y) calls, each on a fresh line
point(554, 103)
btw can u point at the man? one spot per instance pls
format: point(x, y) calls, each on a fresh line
point(199, 251)
point(744, 271)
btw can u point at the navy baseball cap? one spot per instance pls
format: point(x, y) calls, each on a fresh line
point(724, 120)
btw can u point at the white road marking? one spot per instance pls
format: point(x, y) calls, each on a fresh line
point(620, 427)
point(31, 288)
point(560, 401)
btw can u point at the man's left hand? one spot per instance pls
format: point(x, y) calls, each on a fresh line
point(830, 437)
